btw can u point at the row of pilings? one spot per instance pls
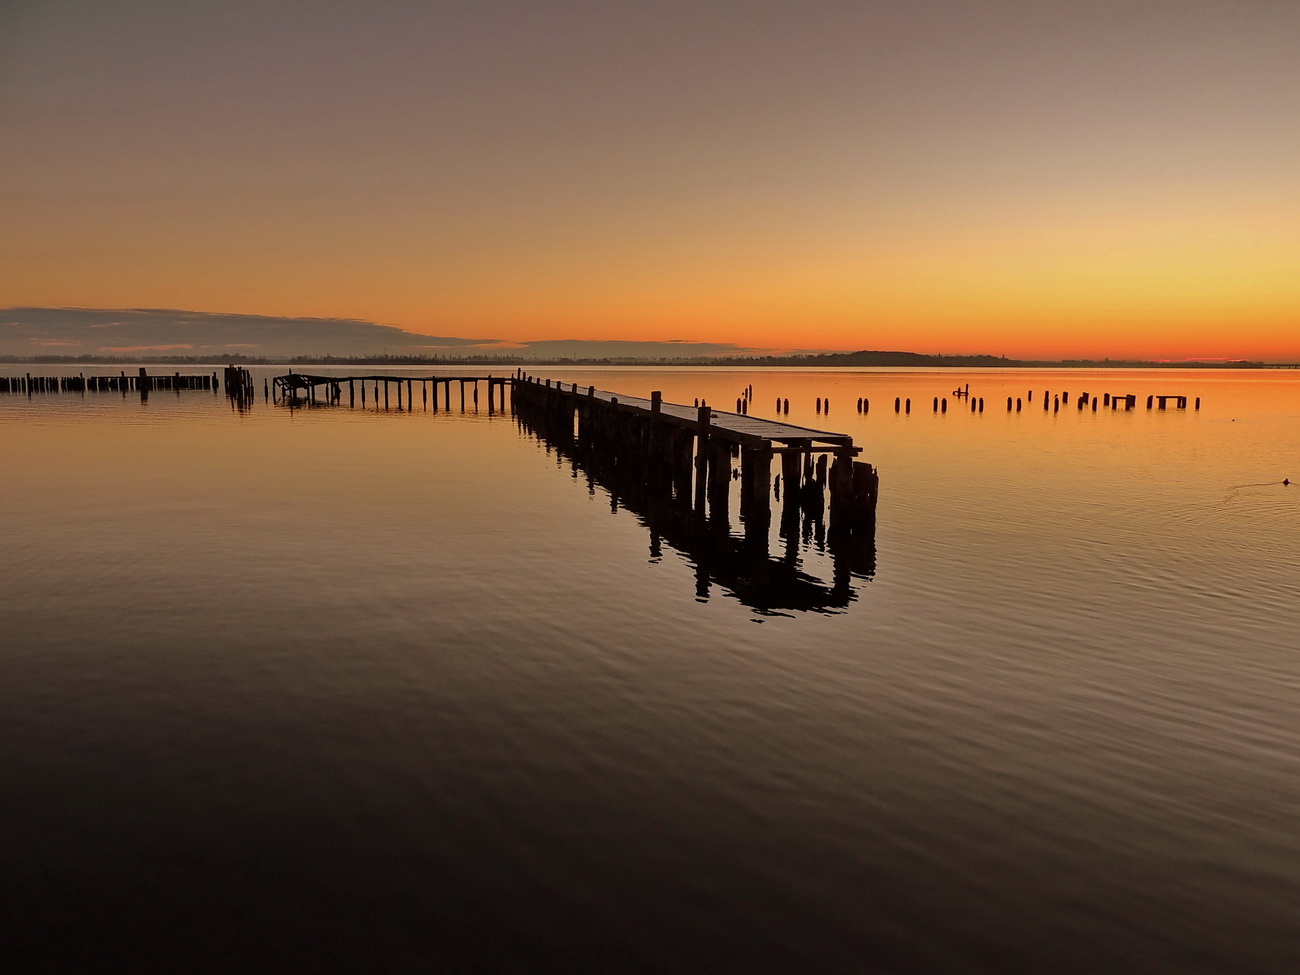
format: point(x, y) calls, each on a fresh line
point(693, 461)
point(141, 382)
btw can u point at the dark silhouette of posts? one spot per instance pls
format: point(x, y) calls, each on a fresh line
point(701, 456)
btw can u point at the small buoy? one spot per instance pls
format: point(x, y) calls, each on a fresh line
point(1286, 482)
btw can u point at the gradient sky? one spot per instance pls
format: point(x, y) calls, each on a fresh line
point(1034, 179)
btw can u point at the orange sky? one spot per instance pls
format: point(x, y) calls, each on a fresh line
point(1028, 179)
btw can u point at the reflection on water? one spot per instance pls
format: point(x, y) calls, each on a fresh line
point(363, 690)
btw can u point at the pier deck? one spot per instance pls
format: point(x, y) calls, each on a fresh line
point(737, 427)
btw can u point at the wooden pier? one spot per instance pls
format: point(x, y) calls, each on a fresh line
point(691, 449)
point(297, 389)
point(771, 582)
point(688, 453)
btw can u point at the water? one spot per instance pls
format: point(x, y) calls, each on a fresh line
point(345, 689)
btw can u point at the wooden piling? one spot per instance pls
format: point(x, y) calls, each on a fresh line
point(702, 415)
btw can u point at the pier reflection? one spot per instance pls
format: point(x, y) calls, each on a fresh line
point(736, 559)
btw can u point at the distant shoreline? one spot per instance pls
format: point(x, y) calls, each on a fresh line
point(828, 360)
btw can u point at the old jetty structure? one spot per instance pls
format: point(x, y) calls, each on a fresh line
point(298, 388)
point(676, 467)
point(689, 454)
point(647, 466)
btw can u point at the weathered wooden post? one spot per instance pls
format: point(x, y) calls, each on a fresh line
point(758, 487)
point(791, 474)
point(841, 484)
point(702, 415)
point(719, 479)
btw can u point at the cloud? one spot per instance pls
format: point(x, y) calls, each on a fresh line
point(116, 331)
point(157, 331)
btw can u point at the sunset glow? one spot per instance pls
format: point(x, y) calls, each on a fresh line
point(1031, 180)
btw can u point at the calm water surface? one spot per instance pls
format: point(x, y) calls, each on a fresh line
point(355, 690)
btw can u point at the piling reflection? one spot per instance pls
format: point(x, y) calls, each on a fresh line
point(737, 559)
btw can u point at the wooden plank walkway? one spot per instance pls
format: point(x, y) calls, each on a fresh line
point(737, 427)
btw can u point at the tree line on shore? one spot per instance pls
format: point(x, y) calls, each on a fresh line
point(863, 359)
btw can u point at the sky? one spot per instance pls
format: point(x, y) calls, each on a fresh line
point(1043, 179)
